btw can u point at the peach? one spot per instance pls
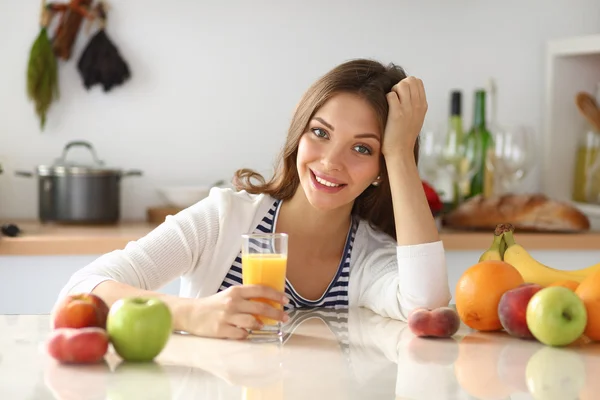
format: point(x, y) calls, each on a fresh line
point(512, 309)
point(440, 322)
point(79, 311)
point(78, 345)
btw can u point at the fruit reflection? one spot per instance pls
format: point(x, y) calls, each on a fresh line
point(130, 379)
point(512, 363)
point(591, 355)
point(74, 382)
point(476, 367)
point(433, 350)
point(554, 373)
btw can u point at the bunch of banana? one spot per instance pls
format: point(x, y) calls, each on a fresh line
point(530, 269)
point(498, 247)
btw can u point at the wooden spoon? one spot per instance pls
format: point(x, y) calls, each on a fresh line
point(589, 109)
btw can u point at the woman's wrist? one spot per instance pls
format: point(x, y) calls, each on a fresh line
point(180, 310)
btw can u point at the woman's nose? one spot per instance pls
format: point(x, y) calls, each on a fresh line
point(333, 158)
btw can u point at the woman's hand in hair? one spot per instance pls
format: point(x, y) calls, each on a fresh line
point(407, 108)
point(230, 313)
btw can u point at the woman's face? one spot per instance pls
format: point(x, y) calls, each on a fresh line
point(338, 155)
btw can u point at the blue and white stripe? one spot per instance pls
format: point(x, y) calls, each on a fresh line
point(336, 295)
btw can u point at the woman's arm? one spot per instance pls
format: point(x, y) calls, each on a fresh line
point(172, 249)
point(175, 248)
point(413, 273)
point(413, 218)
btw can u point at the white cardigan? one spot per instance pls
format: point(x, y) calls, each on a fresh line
point(200, 243)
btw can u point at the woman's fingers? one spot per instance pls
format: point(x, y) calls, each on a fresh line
point(228, 331)
point(262, 309)
point(258, 292)
point(404, 94)
point(244, 321)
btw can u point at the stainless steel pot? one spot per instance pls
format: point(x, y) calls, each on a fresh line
point(75, 193)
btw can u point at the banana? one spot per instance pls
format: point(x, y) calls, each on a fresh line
point(533, 271)
point(496, 250)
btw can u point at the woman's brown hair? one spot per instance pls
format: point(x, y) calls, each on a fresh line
point(372, 81)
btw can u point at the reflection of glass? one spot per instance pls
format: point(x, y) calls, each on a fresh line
point(264, 262)
point(513, 156)
point(459, 158)
point(270, 386)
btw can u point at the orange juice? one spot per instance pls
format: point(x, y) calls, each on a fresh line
point(268, 270)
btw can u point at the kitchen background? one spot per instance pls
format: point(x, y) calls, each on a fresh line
point(214, 84)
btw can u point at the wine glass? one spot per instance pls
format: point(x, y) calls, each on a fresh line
point(458, 156)
point(512, 156)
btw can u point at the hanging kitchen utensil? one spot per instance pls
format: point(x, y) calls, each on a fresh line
point(589, 109)
point(66, 32)
point(100, 63)
point(42, 70)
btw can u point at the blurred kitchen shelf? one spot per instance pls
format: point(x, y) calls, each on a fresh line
point(592, 211)
point(53, 239)
point(463, 240)
point(572, 65)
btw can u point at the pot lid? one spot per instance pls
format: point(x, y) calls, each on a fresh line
point(62, 166)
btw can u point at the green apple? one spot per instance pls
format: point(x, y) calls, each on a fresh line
point(556, 316)
point(139, 327)
point(553, 373)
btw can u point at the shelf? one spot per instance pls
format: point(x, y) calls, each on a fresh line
point(60, 240)
point(575, 46)
point(572, 65)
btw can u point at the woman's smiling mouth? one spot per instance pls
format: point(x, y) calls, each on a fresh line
point(326, 184)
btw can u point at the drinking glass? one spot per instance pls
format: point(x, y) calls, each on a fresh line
point(264, 262)
point(513, 155)
point(457, 157)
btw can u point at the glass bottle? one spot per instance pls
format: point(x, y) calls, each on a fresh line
point(586, 185)
point(483, 181)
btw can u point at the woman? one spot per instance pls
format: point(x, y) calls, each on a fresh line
point(348, 194)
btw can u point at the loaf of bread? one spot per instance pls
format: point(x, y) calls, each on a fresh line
point(526, 212)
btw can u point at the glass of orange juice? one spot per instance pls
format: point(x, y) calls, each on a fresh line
point(264, 262)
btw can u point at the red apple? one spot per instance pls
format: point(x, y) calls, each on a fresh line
point(512, 310)
point(439, 322)
point(78, 346)
point(80, 311)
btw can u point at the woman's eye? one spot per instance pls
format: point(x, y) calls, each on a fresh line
point(362, 149)
point(319, 132)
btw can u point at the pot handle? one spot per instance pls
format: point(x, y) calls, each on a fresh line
point(133, 172)
point(24, 174)
point(81, 143)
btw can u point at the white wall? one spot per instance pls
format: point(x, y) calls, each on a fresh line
point(214, 83)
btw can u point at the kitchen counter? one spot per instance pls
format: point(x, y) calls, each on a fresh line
point(54, 239)
point(353, 354)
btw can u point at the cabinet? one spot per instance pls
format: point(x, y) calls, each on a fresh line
point(572, 65)
point(30, 284)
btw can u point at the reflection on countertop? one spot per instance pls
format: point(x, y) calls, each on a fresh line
point(351, 354)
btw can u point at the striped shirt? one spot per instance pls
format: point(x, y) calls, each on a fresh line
point(336, 295)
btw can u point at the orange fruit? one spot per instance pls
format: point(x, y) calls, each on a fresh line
point(569, 284)
point(589, 292)
point(478, 292)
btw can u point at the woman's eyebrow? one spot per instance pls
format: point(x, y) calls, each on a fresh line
point(327, 124)
point(359, 136)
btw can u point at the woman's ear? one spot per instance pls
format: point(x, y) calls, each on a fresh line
point(377, 181)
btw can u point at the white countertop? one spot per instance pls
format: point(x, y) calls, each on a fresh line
point(325, 355)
